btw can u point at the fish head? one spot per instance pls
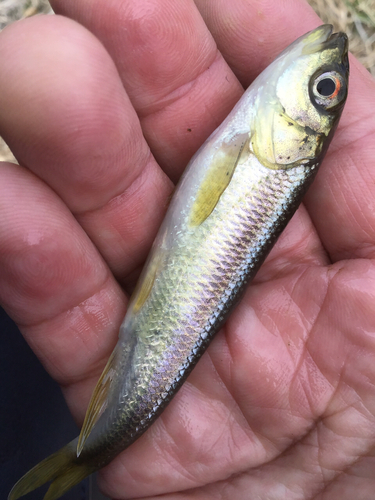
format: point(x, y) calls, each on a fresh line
point(300, 100)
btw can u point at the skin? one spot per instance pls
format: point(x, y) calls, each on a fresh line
point(282, 405)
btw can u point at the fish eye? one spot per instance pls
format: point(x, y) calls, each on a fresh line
point(328, 90)
point(326, 87)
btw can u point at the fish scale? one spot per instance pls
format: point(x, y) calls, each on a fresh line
point(233, 246)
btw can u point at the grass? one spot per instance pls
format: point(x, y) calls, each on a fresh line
point(355, 17)
point(12, 10)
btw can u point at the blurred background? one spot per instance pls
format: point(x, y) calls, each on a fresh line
point(24, 440)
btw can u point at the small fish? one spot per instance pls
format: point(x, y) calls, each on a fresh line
point(237, 195)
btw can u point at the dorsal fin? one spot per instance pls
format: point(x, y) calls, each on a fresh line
point(218, 177)
point(98, 401)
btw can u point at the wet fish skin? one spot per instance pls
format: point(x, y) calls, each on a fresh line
point(237, 195)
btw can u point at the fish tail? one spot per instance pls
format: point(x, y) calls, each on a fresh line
point(62, 468)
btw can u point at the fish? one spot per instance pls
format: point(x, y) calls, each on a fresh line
point(234, 199)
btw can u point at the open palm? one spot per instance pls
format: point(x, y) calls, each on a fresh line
point(282, 405)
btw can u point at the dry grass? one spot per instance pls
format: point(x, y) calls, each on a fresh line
point(355, 17)
point(12, 10)
point(5, 153)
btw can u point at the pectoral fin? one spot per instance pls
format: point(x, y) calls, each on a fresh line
point(218, 177)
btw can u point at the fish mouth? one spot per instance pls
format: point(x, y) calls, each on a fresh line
point(340, 41)
point(322, 38)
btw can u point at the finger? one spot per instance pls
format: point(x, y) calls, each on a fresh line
point(178, 83)
point(67, 118)
point(251, 34)
point(298, 247)
point(339, 202)
point(55, 284)
point(290, 481)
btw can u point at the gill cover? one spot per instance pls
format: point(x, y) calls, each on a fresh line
point(297, 109)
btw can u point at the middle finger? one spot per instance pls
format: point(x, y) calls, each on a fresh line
point(67, 118)
point(178, 82)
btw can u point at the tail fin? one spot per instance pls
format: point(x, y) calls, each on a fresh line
point(61, 468)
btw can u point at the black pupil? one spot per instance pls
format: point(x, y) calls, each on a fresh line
point(326, 87)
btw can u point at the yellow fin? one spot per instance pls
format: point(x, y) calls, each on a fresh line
point(60, 468)
point(43, 472)
point(146, 282)
point(217, 179)
point(145, 288)
point(66, 481)
point(98, 402)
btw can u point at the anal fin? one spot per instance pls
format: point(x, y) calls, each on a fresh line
point(98, 402)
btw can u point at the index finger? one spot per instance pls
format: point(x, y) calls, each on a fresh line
point(251, 34)
point(95, 156)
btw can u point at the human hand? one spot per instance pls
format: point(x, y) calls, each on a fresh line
point(282, 404)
